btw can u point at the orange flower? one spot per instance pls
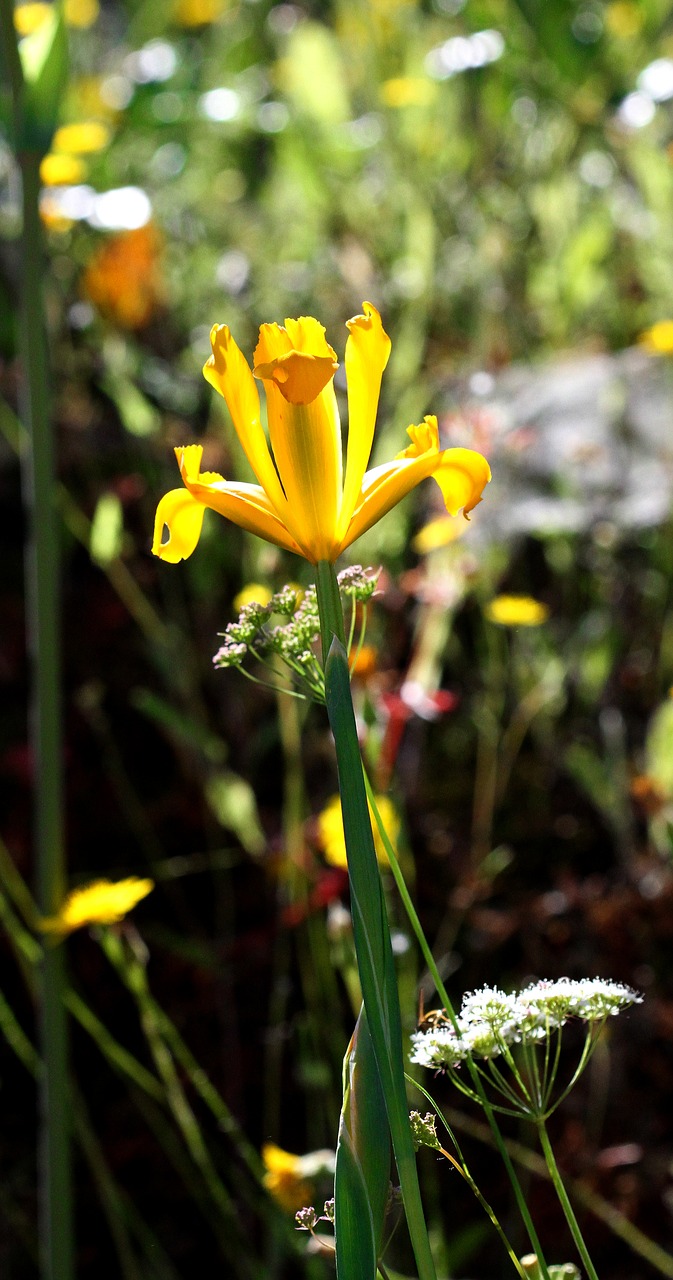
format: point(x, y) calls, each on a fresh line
point(123, 279)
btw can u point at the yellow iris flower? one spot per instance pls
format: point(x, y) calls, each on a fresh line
point(305, 500)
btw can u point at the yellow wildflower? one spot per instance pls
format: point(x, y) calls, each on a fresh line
point(101, 902)
point(77, 13)
point(623, 19)
point(407, 91)
point(198, 13)
point(284, 1179)
point(659, 338)
point(254, 593)
point(289, 1178)
point(516, 611)
point(81, 139)
point(365, 662)
point(304, 502)
point(438, 533)
point(331, 830)
point(87, 96)
point(58, 170)
point(80, 13)
point(28, 17)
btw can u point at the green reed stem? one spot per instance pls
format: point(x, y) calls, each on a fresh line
point(43, 608)
point(444, 997)
point(370, 925)
point(564, 1201)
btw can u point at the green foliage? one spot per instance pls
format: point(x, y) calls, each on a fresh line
point(362, 1180)
point(44, 64)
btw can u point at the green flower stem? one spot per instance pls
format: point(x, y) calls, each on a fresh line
point(370, 925)
point(613, 1218)
point(564, 1201)
point(43, 593)
point(444, 997)
point(461, 1165)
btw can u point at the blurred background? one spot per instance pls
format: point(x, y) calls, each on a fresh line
point(497, 177)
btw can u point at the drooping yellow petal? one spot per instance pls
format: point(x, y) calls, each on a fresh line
point(182, 515)
point(181, 510)
point(367, 352)
point(228, 371)
point(461, 474)
point(247, 505)
point(305, 436)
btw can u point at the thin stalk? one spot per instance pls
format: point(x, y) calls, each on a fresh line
point(562, 1194)
point(43, 624)
point(370, 925)
point(132, 974)
point(614, 1219)
point(461, 1165)
point(444, 997)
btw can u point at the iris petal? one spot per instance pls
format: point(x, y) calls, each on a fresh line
point(299, 377)
point(461, 474)
point(297, 366)
point(367, 352)
point(247, 506)
point(183, 516)
point(228, 372)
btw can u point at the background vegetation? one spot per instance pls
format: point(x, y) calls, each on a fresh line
point(497, 177)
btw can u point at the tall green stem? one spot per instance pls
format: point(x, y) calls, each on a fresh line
point(444, 997)
point(43, 607)
point(562, 1194)
point(370, 925)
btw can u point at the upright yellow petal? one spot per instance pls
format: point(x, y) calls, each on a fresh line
point(367, 352)
point(304, 428)
point(228, 371)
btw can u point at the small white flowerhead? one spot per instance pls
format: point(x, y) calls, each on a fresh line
point(491, 1021)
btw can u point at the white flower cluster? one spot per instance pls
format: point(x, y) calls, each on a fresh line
point(490, 1020)
point(295, 641)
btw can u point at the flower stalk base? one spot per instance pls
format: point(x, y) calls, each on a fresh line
point(370, 924)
